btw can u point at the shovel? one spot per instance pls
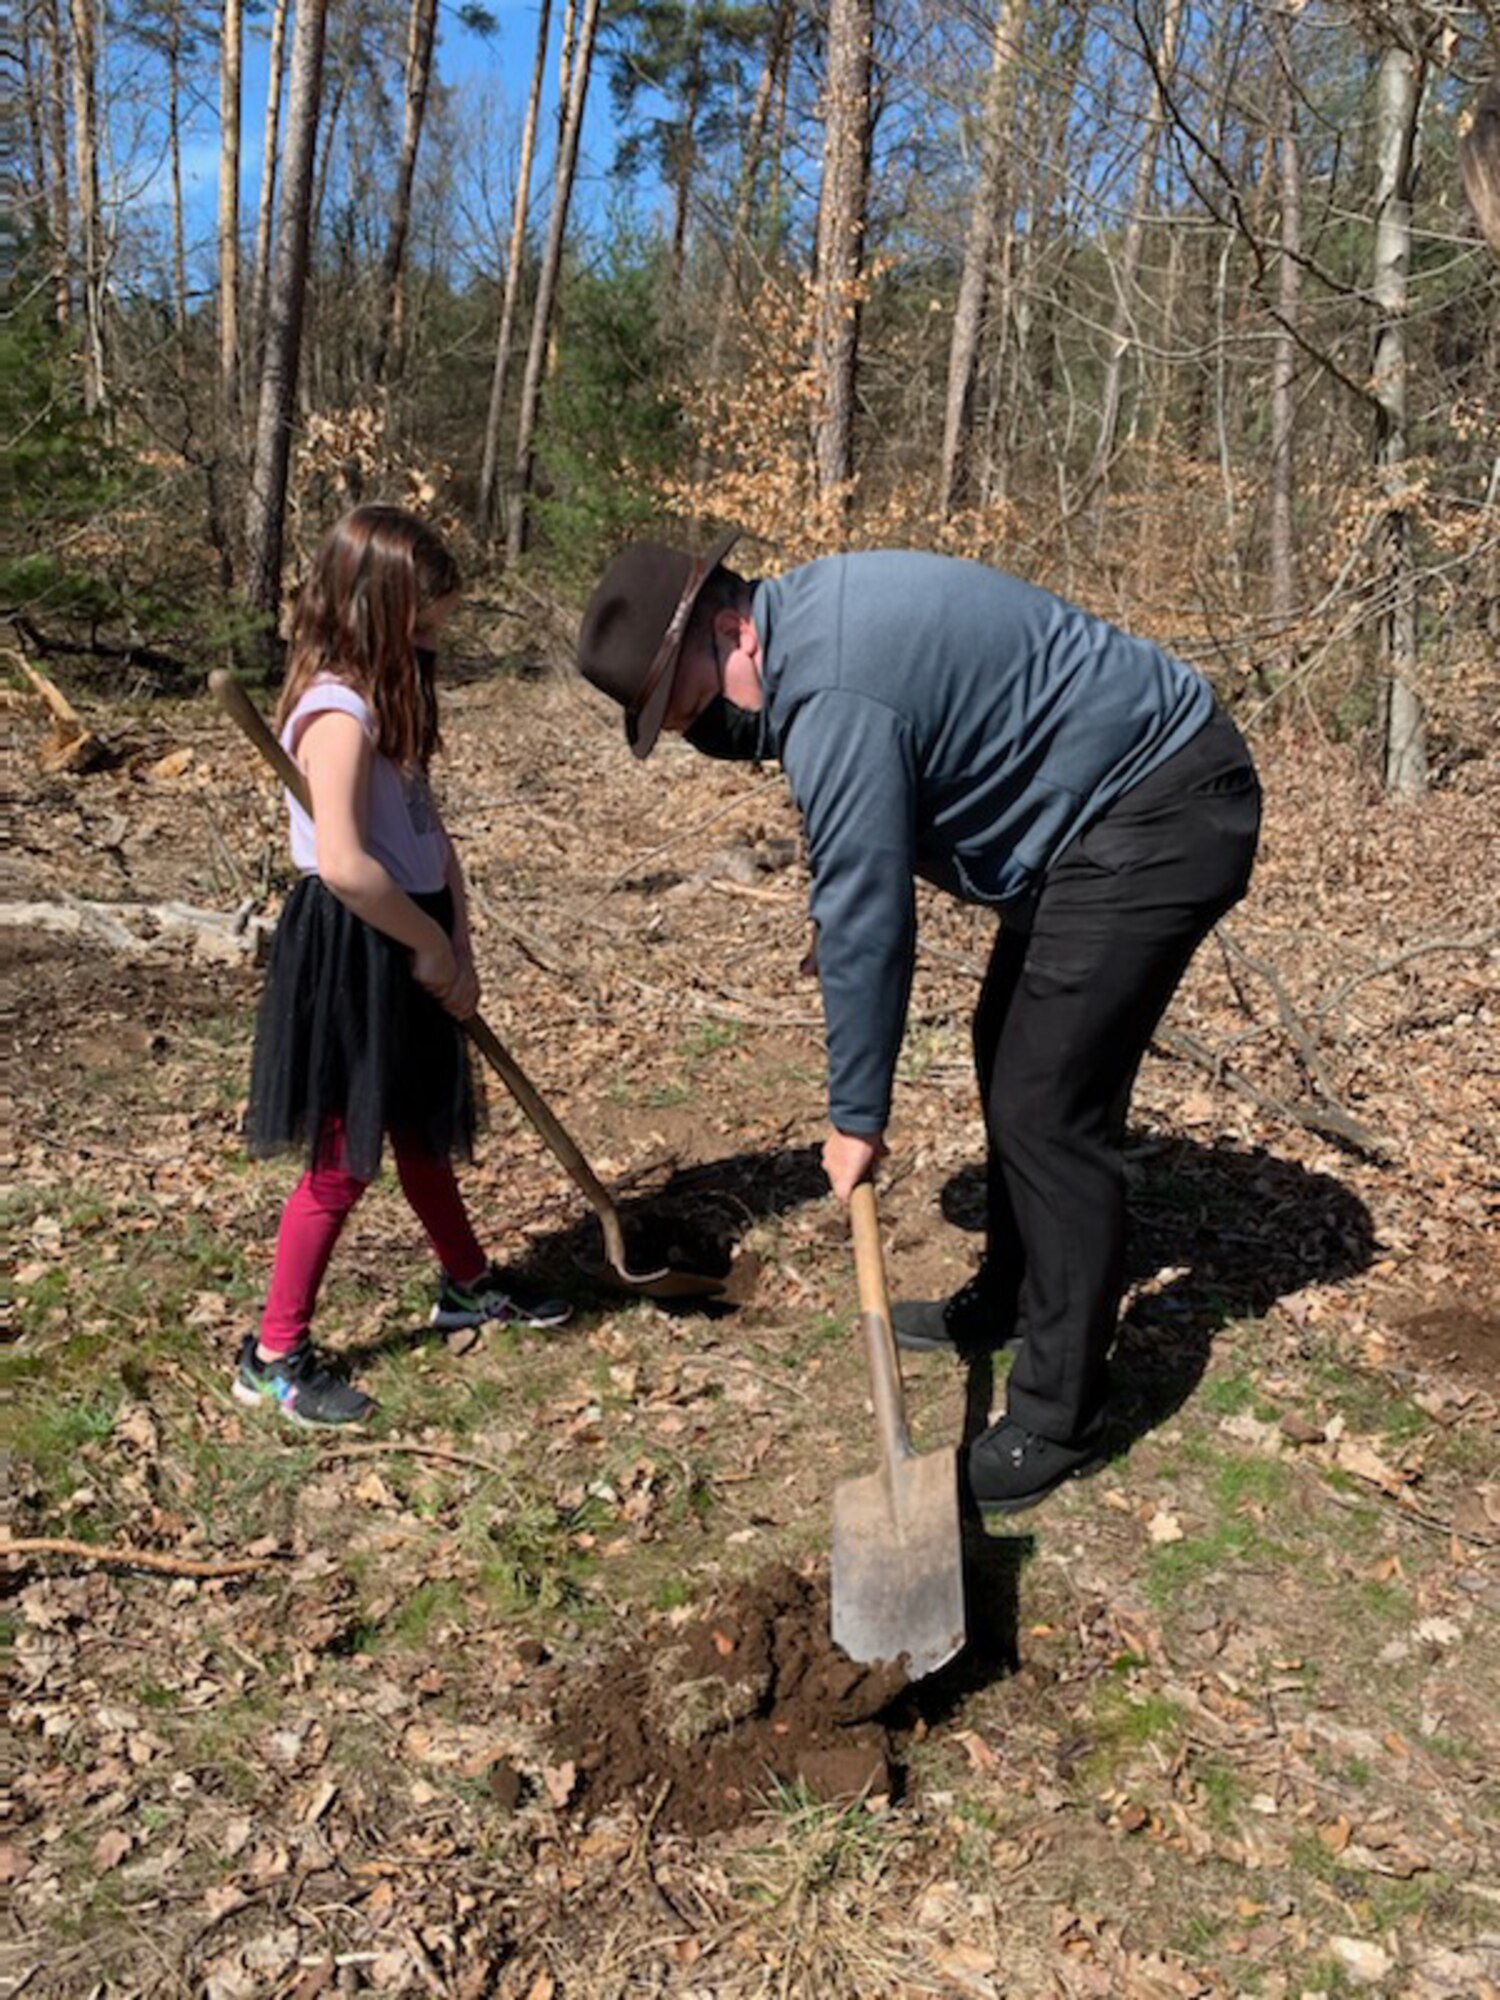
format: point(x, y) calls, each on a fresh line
point(898, 1583)
point(666, 1283)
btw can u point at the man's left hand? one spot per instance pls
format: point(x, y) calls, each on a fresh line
point(852, 1157)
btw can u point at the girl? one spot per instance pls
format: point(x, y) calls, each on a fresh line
point(371, 969)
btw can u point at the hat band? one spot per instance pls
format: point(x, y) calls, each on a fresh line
point(671, 640)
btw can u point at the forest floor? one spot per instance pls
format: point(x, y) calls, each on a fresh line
point(1228, 1725)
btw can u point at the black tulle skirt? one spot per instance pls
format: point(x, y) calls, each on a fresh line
point(344, 1031)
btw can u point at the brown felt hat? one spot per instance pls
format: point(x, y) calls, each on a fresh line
point(631, 637)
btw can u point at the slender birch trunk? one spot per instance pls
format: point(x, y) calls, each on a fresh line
point(1128, 269)
point(484, 509)
point(976, 278)
point(1398, 123)
point(541, 315)
point(421, 33)
point(174, 143)
point(231, 54)
point(1284, 356)
point(260, 277)
point(86, 179)
point(266, 501)
point(57, 147)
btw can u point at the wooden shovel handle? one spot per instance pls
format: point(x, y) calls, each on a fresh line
point(875, 1321)
point(233, 699)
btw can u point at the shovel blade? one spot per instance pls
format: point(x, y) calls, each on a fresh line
point(898, 1581)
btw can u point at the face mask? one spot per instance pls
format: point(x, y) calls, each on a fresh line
point(726, 730)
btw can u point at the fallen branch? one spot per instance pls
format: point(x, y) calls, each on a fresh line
point(1325, 1119)
point(1480, 941)
point(129, 655)
point(161, 1565)
point(229, 935)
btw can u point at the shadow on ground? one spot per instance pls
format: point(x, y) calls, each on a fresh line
point(1218, 1234)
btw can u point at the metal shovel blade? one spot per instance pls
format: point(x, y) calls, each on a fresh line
point(898, 1571)
point(898, 1586)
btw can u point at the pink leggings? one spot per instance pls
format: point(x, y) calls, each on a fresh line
point(320, 1205)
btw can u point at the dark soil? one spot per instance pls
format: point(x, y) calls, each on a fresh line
point(720, 1710)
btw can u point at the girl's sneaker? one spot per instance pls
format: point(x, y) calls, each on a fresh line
point(301, 1385)
point(495, 1297)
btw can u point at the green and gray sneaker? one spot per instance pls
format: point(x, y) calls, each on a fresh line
point(494, 1296)
point(300, 1385)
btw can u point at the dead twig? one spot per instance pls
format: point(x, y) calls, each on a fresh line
point(386, 1446)
point(1481, 941)
point(149, 1559)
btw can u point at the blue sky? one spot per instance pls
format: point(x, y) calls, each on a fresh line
point(496, 68)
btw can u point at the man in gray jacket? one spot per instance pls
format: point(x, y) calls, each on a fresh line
point(936, 718)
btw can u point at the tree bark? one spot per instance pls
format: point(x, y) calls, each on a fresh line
point(421, 32)
point(484, 509)
point(266, 500)
point(974, 283)
point(771, 78)
point(57, 146)
point(1283, 561)
point(260, 277)
point(86, 179)
point(1479, 161)
point(842, 214)
point(546, 291)
point(1398, 123)
point(231, 46)
point(174, 141)
point(1130, 254)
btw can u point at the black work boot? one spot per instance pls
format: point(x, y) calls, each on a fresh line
point(1008, 1468)
point(968, 1324)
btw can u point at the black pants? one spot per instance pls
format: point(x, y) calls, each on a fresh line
point(1068, 1005)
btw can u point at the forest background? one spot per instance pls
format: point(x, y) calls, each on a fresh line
point(1186, 311)
point(1178, 310)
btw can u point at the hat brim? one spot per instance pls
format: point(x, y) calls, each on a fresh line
point(641, 731)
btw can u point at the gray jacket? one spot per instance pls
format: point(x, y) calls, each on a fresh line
point(941, 719)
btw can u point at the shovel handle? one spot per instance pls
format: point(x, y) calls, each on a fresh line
point(875, 1323)
point(233, 699)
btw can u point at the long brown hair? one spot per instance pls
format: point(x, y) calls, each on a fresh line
point(375, 573)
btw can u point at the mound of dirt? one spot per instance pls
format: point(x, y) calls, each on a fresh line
point(718, 1710)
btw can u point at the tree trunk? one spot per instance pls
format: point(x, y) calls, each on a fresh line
point(484, 509)
point(421, 29)
point(1130, 255)
point(1284, 356)
point(546, 290)
point(33, 89)
point(1398, 122)
point(266, 500)
point(842, 208)
point(1479, 159)
point(231, 41)
point(772, 72)
point(174, 140)
point(86, 179)
point(260, 278)
point(57, 146)
point(968, 315)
